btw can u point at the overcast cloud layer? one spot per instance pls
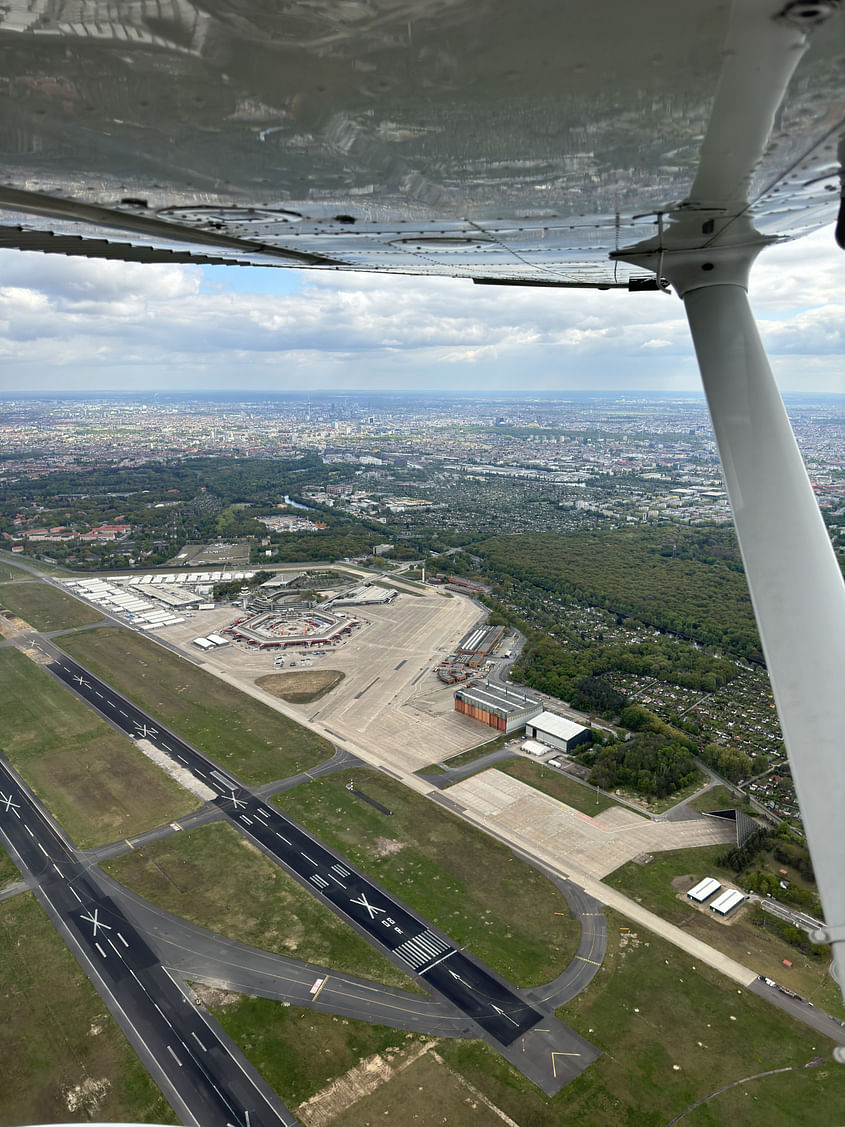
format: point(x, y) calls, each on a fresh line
point(79, 325)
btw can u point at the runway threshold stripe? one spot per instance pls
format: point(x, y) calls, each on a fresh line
point(442, 959)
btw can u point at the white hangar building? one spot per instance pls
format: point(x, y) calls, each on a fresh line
point(557, 731)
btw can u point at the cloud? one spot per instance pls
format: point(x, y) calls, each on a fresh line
point(91, 324)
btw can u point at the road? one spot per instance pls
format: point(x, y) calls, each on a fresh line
point(591, 946)
point(554, 1055)
point(201, 1072)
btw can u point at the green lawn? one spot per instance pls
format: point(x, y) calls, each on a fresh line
point(10, 561)
point(762, 951)
point(95, 782)
point(299, 1052)
point(671, 1032)
point(8, 870)
point(559, 785)
point(719, 798)
point(436, 1093)
point(469, 885)
point(45, 607)
point(63, 1057)
point(213, 877)
point(243, 735)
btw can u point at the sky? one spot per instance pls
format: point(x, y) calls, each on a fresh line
point(80, 325)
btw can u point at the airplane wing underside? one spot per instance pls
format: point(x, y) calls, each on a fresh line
point(522, 143)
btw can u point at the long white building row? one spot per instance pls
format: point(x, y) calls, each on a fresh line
point(117, 600)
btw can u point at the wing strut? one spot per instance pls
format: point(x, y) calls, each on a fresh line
point(793, 574)
point(706, 250)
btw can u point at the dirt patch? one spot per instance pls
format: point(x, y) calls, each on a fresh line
point(385, 847)
point(358, 1082)
point(10, 624)
point(683, 883)
point(85, 1098)
point(301, 687)
point(630, 939)
point(214, 996)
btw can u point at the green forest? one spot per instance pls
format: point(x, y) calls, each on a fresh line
point(689, 582)
point(651, 764)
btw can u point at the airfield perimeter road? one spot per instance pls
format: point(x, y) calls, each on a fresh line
point(536, 1042)
point(202, 1073)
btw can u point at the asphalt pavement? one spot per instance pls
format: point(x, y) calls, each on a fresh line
point(204, 956)
point(203, 1075)
point(551, 1057)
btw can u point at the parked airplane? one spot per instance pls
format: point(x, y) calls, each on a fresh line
point(548, 143)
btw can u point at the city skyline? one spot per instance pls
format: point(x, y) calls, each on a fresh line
point(69, 325)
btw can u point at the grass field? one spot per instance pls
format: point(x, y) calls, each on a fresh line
point(8, 560)
point(63, 1057)
point(469, 885)
point(559, 785)
point(436, 1093)
point(8, 870)
point(299, 1051)
point(719, 798)
point(240, 733)
point(213, 877)
point(670, 1034)
point(651, 885)
point(301, 687)
point(94, 781)
point(45, 607)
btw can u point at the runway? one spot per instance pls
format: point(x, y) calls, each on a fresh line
point(200, 955)
point(496, 1010)
point(201, 1072)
